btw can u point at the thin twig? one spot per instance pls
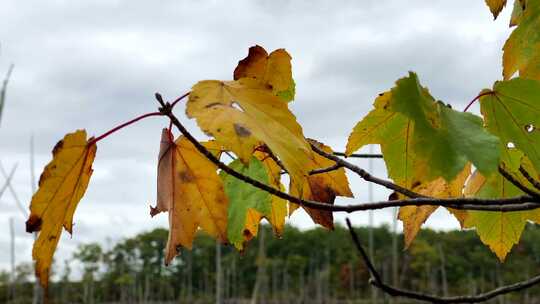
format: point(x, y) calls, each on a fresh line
point(501, 205)
point(8, 180)
point(517, 183)
point(324, 170)
point(365, 175)
point(359, 155)
point(397, 292)
point(18, 202)
point(531, 180)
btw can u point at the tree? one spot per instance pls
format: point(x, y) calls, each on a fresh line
point(429, 150)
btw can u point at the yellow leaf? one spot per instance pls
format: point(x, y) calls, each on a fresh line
point(323, 187)
point(272, 71)
point(190, 190)
point(413, 217)
point(240, 115)
point(495, 6)
point(61, 186)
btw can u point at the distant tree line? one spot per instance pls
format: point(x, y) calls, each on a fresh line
point(313, 266)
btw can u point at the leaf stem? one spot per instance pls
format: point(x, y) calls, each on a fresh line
point(476, 98)
point(178, 99)
point(119, 127)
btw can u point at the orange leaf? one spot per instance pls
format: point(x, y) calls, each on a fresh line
point(191, 191)
point(61, 186)
point(413, 217)
point(323, 187)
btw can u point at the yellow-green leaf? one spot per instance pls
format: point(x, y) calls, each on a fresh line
point(61, 186)
point(241, 115)
point(499, 230)
point(522, 49)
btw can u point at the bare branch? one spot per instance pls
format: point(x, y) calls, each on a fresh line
point(324, 170)
point(8, 180)
point(397, 292)
point(365, 175)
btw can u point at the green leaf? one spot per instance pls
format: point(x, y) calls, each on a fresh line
point(522, 49)
point(512, 112)
point(446, 138)
point(394, 132)
point(243, 196)
point(517, 12)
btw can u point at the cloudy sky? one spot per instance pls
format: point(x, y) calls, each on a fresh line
point(97, 63)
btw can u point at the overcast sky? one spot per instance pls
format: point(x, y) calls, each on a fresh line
point(95, 64)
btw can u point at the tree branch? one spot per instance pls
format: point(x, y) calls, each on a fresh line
point(358, 155)
point(531, 180)
point(365, 175)
point(517, 183)
point(518, 203)
point(397, 292)
point(324, 170)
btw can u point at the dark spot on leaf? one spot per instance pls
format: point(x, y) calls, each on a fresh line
point(210, 105)
point(52, 238)
point(33, 223)
point(185, 177)
point(241, 130)
point(59, 145)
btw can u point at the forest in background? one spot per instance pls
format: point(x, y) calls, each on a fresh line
point(313, 266)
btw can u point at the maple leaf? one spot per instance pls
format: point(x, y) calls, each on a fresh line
point(61, 186)
point(511, 111)
point(448, 139)
point(394, 133)
point(240, 115)
point(247, 204)
point(517, 12)
point(190, 190)
point(414, 216)
point(499, 230)
point(522, 49)
point(495, 6)
point(414, 130)
point(272, 71)
point(322, 187)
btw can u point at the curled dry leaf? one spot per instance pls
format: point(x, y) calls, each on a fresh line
point(414, 216)
point(190, 190)
point(61, 186)
point(323, 187)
